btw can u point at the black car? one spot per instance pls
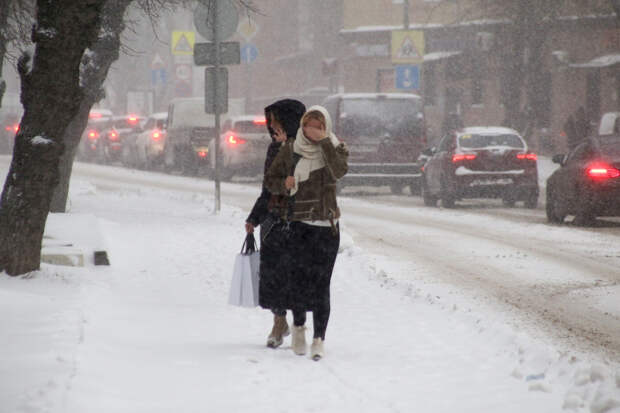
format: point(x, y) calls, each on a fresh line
point(587, 185)
point(481, 162)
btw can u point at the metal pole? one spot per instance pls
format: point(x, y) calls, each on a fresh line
point(216, 40)
point(406, 14)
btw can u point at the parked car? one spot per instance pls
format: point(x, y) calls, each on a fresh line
point(481, 162)
point(147, 148)
point(242, 146)
point(385, 133)
point(189, 132)
point(119, 134)
point(587, 185)
point(90, 148)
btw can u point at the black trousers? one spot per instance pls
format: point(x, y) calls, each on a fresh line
point(314, 250)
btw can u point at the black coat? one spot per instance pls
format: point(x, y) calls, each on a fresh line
point(288, 112)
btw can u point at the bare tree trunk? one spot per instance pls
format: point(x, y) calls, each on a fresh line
point(104, 52)
point(51, 95)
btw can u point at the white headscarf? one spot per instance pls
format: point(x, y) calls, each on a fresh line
point(311, 152)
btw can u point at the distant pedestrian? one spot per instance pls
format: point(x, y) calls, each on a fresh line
point(308, 170)
point(571, 133)
point(282, 123)
point(582, 124)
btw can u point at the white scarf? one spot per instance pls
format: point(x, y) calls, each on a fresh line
point(311, 153)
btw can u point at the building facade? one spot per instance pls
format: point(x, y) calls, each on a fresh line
point(464, 67)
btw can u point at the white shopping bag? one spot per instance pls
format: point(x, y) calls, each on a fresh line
point(244, 283)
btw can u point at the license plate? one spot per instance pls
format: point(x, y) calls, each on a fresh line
point(481, 182)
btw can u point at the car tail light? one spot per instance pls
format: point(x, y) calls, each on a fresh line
point(527, 156)
point(95, 115)
point(132, 119)
point(460, 157)
point(260, 121)
point(602, 171)
point(233, 140)
point(202, 154)
point(12, 128)
point(156, 135)
point(113, 135)
point(93, 135)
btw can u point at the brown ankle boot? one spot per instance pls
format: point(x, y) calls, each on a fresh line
point(280, 329)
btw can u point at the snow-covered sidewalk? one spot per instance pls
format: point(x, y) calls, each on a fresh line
point(153, 333)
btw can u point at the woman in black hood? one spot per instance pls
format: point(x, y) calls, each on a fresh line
point(283, 119)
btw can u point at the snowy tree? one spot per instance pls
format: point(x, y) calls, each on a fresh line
point(75, 44)
point(50, 94)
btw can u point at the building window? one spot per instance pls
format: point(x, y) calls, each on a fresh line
point(477, 91)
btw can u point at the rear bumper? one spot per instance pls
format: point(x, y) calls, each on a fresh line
point(604, 200)
point(518, 185)
point(377, 174)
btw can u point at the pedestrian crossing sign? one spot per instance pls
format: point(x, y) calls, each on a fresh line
point(183, 43)
point(407, 46)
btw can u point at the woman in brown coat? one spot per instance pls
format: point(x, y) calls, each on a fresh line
point(307, 169)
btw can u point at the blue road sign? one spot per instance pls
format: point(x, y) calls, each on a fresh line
point(158, 76)
point(407, 77)
point(249, 53)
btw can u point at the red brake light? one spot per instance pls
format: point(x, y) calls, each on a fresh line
point(113, 135)
point(527, 156)
point(95, 115)
point(602, 171)
point(459, 157)
point(260, 121)
point(202, 154)
point(16, 127)
point(156, 135)
point(233, 140)
point(132, 119)
point(93, 134)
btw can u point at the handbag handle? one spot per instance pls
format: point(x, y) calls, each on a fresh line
point(249, 245)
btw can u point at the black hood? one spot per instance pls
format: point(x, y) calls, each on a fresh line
point(288, 112)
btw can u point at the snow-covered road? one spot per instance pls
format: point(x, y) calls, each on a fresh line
point(476, 309)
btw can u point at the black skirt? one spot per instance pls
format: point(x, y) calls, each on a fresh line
point(275, 265)
point(313, 250)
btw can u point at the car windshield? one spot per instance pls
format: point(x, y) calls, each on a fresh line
point(248, 126)
point(366, 119)
point(387, 110)
point(471, 140)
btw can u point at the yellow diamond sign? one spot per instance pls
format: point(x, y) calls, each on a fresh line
point(407, 46)
point(183, 43)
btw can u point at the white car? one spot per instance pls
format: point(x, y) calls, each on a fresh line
point(243, 146)
point(149, 144)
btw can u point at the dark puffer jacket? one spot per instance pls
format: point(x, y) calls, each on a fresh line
point(288, 112)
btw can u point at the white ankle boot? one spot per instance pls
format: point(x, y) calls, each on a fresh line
point(316, 350)
point(299, 340)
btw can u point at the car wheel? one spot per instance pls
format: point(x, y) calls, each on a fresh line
point(169, 158)
point(429, 199)
point(447, 199)
point(584, 216)
point(531, 202)
point(554, 214)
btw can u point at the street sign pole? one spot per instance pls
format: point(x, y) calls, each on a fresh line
point(216, 41)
